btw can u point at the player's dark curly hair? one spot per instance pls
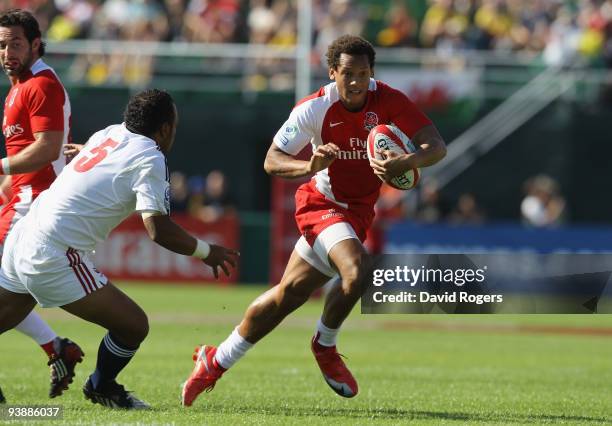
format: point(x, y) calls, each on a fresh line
point(351, 45)
point(148, 110)
point(27, 21)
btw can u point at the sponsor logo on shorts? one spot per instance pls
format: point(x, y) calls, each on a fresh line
point(331, 213)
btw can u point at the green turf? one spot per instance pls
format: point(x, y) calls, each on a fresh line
point(429, 369)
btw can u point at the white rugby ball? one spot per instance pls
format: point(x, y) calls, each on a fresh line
point(389, 137)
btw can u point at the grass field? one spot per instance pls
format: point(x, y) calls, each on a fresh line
point(428, 369)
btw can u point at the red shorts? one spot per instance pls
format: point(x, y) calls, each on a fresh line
point(314, 213)
point(15, 209)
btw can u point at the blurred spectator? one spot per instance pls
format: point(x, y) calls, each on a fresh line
point(196, 186)
point(340, 17)
point(428, 208)
point(400, 29)
point(467, 211)
point(179, 193)
point(530, 29)
point(607, 44)
point(209, 199)
point(175, 11)
point(43, 10)
point(494, 22)
point(446, 23)
point(217, 201)
point(262, 22)
point(593, 23)
point(74, 21)
point(271, 22)
point(543, 204)
point(563, 38)
point(211, 21)
point(432, 27)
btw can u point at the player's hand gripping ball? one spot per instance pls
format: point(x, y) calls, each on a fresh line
point(388, 137)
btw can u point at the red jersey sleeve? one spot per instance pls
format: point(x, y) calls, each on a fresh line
point(46, 105)
point(404, 113)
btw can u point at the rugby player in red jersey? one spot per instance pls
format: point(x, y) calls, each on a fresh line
point(333, 211)
point(36, 123)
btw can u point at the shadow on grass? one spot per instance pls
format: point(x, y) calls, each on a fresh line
point(399, 414)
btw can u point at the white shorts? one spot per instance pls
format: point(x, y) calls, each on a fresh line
point(318, 255)
point(53, 274)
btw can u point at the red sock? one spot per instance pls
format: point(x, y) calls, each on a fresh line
point(48, 348)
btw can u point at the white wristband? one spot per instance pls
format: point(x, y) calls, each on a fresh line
point(202, 249)
point(6, 168)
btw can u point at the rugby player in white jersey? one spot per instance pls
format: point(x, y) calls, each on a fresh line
point(121, 169)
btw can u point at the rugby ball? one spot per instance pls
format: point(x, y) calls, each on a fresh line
point(388, 137)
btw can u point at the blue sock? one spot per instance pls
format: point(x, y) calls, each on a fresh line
point(112, 358)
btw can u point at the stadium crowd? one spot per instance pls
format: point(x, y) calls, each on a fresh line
point(543, 205)
point(556, 28)
point(205, 198)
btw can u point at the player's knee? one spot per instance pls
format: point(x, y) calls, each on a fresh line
point(10, 318)
point(141, 330)
point(353, 272)
point(135, 330)
point(294, 296)
point(296, 291)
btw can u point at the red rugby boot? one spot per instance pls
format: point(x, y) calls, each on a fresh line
point(335, 372)
point(204, 375)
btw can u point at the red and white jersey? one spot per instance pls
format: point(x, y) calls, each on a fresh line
point(37, 103)
point(321, 118)
point(117, 172)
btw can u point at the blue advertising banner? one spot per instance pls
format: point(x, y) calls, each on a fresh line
point(411, 238)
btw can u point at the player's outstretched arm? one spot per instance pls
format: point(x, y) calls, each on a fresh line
point(44, 150)
point(281, 164)
point(171, 236)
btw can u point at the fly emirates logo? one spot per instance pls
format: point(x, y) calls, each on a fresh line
point(357, 150)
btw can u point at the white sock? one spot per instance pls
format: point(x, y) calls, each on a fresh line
point(327, 336)
point(35, 327)
point(232, 349)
